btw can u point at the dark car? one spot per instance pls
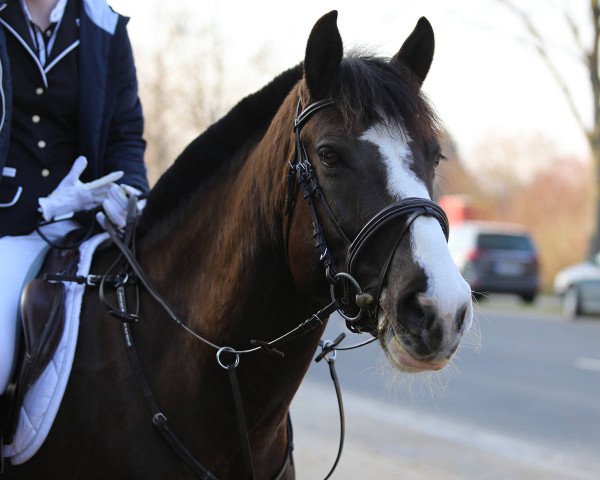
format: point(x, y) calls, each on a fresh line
point(496, 258)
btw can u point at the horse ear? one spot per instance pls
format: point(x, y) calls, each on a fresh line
point(324, 51)
point(417, 50)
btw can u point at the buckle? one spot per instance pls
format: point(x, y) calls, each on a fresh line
point(159, 419)
point(92, 280)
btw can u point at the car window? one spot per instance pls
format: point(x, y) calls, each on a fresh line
point(499, 241)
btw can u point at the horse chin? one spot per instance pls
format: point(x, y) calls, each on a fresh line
point(397, 353)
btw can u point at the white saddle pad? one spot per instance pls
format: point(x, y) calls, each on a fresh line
point(42, 401)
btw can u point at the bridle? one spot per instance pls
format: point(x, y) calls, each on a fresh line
point(351, 308)
point(301, 173)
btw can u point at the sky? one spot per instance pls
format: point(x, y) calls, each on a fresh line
point(486, 80)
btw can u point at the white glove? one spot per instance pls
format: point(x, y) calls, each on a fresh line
point(71, 195)
point(115, 203)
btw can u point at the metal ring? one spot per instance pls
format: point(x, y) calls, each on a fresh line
point(235, 363)
point(331, 354)
point(359, 291)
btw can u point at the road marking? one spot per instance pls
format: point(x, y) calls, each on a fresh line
point(586, 363)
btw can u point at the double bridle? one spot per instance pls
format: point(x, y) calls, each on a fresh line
point(301, 172)
point(352, 306)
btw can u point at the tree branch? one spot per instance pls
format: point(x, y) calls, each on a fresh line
point(542, 51)
point(582, 51)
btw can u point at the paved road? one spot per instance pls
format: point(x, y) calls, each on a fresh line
point(522, 401)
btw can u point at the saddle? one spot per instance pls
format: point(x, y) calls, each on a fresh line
point(42, 319)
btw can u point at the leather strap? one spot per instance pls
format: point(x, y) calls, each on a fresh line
point(241, 421)
point(159, 420)
point(316, 320)
point(409, 208)
point(328, 352)
point(303, 115)
point(90, 280)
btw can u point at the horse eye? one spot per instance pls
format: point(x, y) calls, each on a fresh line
point(440, 157)
point(327, 156)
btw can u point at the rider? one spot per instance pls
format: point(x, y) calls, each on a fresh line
point(70, 114)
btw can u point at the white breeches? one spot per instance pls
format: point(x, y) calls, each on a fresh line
point(16, 256)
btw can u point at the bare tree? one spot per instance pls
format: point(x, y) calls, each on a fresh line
point(588, 51)
point(181, 82)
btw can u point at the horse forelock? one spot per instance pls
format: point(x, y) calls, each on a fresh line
point(374, 90)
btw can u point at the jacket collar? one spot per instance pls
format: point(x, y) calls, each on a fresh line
point(101, 14)
point(98, 11)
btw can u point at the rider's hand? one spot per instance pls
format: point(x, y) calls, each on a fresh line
point(72, 195)
point(115, 203)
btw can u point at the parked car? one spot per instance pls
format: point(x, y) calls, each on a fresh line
point(582, 298)
point(579, 288)
point(496, 258)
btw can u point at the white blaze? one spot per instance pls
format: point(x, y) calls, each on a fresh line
point(446, 289)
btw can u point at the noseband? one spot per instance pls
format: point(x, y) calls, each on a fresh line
point(406, 210)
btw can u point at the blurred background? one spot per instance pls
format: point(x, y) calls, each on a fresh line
point(517, 87)
point(516, 148)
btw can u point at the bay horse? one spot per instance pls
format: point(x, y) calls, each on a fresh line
point(228, 240)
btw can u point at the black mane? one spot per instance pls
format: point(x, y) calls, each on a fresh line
point(373, 89)
point(208, 152)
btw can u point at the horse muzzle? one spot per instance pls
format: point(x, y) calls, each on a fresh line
point(417, 337)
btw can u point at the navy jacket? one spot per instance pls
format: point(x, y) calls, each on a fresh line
point(110, 114)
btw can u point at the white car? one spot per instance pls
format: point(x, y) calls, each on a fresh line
point(571, 276)
point(579, 288)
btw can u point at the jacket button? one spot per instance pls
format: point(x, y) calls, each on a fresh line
point(35, 119)
point(39, 91)
point(41, 144)
point(45, 172)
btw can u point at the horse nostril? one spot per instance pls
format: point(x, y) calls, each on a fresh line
point(425, 328)
point(460, 318)
point(416, 313)
point(464, 319)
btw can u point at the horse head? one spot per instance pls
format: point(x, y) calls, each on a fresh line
point(372, 144)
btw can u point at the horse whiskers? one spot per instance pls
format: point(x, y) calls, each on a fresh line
point(413, 385)
point(472, 338)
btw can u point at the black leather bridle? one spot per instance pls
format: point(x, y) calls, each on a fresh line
point(301, 173)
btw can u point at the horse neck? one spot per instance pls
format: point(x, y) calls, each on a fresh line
point(229, 247)
point(224, 270)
